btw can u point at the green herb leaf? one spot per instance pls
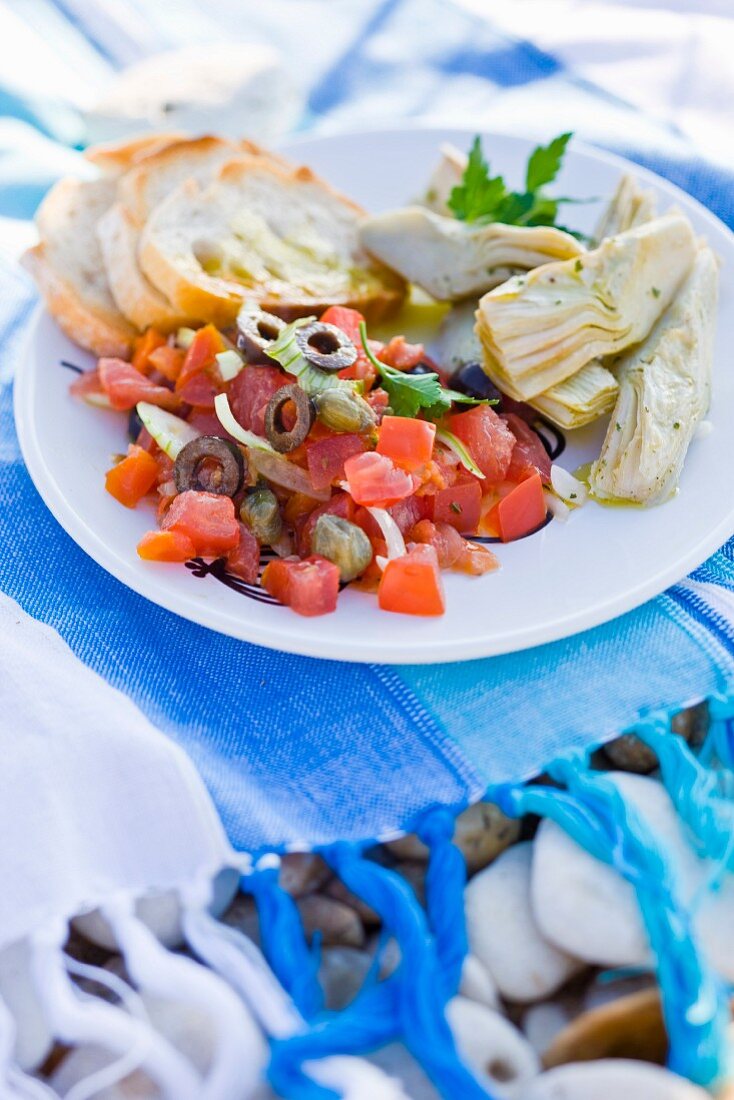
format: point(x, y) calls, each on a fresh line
point(410, 393)
point(545, 162)
point(478, 194)
point(482, 198)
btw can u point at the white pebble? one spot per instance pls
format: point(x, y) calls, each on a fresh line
point(477, 983)
point(542, 1022)
point(612, 1079)
point(161, 913)
point(493, 1048)
point(504, 934)
point(587, 908)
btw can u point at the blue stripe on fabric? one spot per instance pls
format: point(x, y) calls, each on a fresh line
point(507, 713)
point(697, 608)
point(509, 65)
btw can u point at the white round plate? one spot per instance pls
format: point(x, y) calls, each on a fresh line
point(565, 578)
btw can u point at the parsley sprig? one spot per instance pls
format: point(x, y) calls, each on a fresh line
point(412, 393)
point(481, 198)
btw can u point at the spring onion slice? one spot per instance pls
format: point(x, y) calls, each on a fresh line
point(170, 432)
point(230, 364)
point(568, 487)
point(285, 352)
point(277, 469)
point(454, 444)
point(557, 507)
point(392, 534)
point(235, 429)
point(185, 338)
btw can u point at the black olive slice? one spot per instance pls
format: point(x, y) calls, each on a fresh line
point(256, 331)
point(471, 380)
point(134, 425)
point(209, 464)
point(280, 439)
point(325, 346)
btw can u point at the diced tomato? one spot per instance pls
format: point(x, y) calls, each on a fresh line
point(378, 401)
point(207, 518)
point(488, 438)
point(412, 584)
point(131, 479)
point(476, 560)
point(408, 512)
point(207, 422)
point(298, 508)
point(522, 510)
point(201, 353)
point(144, 346)
point(349, 320)
point(376, 481)
point(166, 546)
point(309, 587)
point(165, 466)
point(341, 504)
point(326, 458)
point(459, 504)
point(167, 360)
point(400, 354)
point(146, 441)
point(446, 541)
point(244, 560)
point(199, 391)
point(250, 392)
point(86, 383)
point(528, 455)
point(408, 442)
point(125, 386)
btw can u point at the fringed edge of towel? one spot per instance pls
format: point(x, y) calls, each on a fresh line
point(251, 995)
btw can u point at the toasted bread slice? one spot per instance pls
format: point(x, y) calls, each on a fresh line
point(67, 266)
point(118, 235)
point(116, 157)
point(265, 232)
point(152, 176)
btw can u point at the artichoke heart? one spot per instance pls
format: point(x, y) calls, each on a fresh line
point(445, 177)
point(581, 399)
point(450, 259)
point(628, 207)
point(540, 329)
point(664, 390)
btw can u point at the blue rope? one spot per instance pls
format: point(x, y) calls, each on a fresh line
point(445, 882)
point(284, 943)
point(721, 733)
point(701, 795)
point(410, 1003)
point(594, 813)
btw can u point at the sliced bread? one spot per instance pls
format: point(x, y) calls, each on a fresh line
point(154, 175)
point(267, 232)
point(116, 157)
point(68, 269)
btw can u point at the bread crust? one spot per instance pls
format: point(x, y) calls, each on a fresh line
point(136, 297)
point(116, 157)
point(99, 332)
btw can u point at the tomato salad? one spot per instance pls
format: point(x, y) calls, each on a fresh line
point(351, 459)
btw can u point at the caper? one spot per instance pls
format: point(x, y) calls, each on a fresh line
point(209, 464)
point(261, 513)
point(343, 411)
point(256, 331)
point(278, 438)
point(325, 346)
point(343, 543)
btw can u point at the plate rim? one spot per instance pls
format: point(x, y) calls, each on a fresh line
point(87, 538)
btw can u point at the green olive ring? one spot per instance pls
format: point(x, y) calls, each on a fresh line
point(230, 466)
point(278, 438)
point(325, 346)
